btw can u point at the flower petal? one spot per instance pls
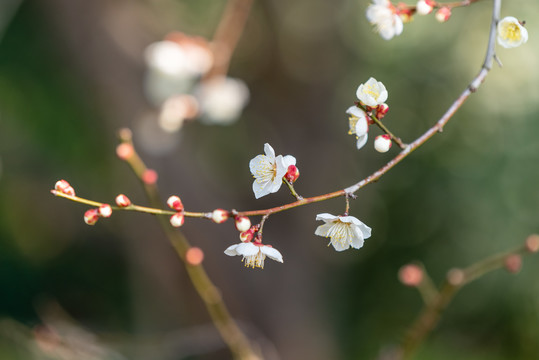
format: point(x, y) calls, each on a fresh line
point(361, 141)
point(339, 246)
point(269, 151)
point(326, 217)
point(356, 240)
point(323, 230)
point(289, 160)
point(231, 250)
point(272, 253)
point(247, 249)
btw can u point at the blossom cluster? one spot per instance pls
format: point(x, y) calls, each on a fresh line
point(178, 83)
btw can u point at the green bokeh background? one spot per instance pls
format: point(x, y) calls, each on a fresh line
point(71, 75)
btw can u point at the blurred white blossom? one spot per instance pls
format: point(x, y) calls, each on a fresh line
point(344, 231)
point(268, 171)
point(222, 100)
point(383, 15)
point(254, 254)
point(511, 33)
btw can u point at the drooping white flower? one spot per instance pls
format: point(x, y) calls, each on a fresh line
point(222, 100)
point(383, 15)
point(511, 33)
point(358, 125)
point(254, 253)
point(344, 231)
point(268, 171)
point(372, 93)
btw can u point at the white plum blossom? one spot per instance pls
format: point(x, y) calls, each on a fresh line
point(359, 125)
point(222, 100)
point(372, 93)
point(383, 15)
point(511, 33)
point(344, 231)
point(424, 7)
point(254, 254)
point(268, 171)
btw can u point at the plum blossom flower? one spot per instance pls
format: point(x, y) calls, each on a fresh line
point(511, 33)
point(222, 100)
point(383, 15)
point(268, 171)
point(372, 93)
point(344, 231)
point(254, 253)
point(359, 125)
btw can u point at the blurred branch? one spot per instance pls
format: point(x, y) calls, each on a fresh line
point(209, 293)
point(455, 280)
point(228, 34)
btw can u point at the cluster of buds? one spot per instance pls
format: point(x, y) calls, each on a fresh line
point(64, 187)
point(175, 203)
point(92, 215)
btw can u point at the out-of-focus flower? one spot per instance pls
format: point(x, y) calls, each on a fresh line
point(91, 216)
point(383, 15)
point(64, 187)
point(443, 14)
point(424, 7)
point(511, 33)
point(268, 171)
point(122, 201)
point(382, 143)
point(175, 110)
point(344, 231)
point(372, 93)
point(359, 125)
point(222, 100)
point(254, 253)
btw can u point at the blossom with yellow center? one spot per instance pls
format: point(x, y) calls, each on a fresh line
point(359, 125)
point(268, 171)
point(372, 93)
point(254, 253)
point(383, 15)
point(511, 33)
point(344, 231)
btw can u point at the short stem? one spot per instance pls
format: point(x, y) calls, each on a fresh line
point(381, 125)
point(292, 190)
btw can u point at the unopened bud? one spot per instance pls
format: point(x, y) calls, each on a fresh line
point(532, 243)
point(443, 14)
point(382, 143)
point(122, 200)
point(292, 174)
point(513, 263)
point(194, 256)
point(248, 235)
point(105, 210)
point(411, 275)
point(175, 203)
point(424, 7)
point(124, 151)
point(177, 219)
point(64, 187)
point(91, 216)
point(219, 216)
point(382, 110)
point(149, 177)
point(242, 223)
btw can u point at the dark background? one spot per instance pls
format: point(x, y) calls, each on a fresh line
point(71, 75)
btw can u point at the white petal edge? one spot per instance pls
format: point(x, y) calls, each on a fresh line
point(326, 217)
point(272, 253)
point(269, 151)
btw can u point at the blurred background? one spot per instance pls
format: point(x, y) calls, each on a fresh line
point(72, 73)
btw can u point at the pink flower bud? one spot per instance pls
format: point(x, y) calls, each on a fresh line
point(194, 256)
point(513, 263)
point(105, 210)
point(91, 216)
point(411, 275)
point(175, 203)
point(124, 151)
point(532, 243)
point(292, 174)
point(122, 200)
point(242, 223)
point(248, 235)
point(382, 143)
point(149, 177)
point(219, 216)
point(381, 110)
point(177, 219)
point(443, 14)
point(63, 187)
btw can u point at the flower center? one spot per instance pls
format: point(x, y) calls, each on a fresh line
point(352, 121)
point(266, 171)
point(511, 32)
point(340, 233)
point(370, 90)
point(256, 260)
